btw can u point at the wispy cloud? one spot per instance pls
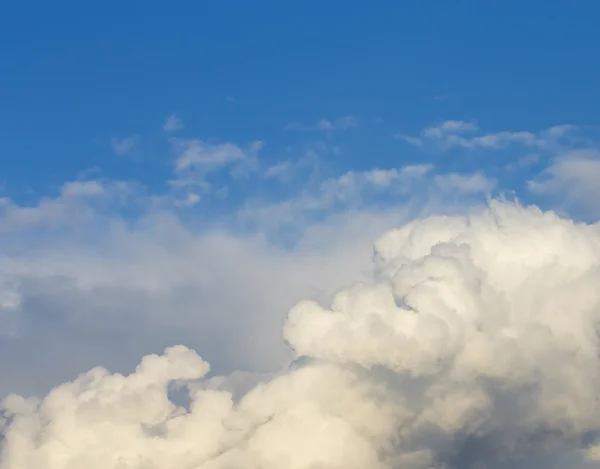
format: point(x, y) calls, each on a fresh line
point(465, 183)
point(196, 159)
point(126, 145)
point(75, 203)
point(523, 162)
point(573, 178)
point(173, 123)
point(207, 157)
point(279, 170)
point(457, 127)
point(443, 97)
point(326, 125)
point(454, 133)
point(82, 189)
point(190, 200)
point(354, 189)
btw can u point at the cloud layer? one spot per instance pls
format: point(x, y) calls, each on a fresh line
point(473, 344)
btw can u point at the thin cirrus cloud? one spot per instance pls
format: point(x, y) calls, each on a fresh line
point(279, 170)
point(574, 178)
point(467, 135)
point(197, 159)
point(209, 157)
point(375, 189)
point(126, 145)
point(173, 123)
point(465, 183)
point(326, 125)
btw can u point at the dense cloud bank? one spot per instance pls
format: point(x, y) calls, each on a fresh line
point(474, 345)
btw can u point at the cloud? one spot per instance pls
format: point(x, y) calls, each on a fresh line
point(76, 202)
point(279, 170)
point(466, 183)
point(208, 157)
point(190, 200)
point(451, 134)
point(104, 290)
point(197, 159)
point(471, 344)
point(351, 184)
point(444, 346)
point(82, 189)
point(173, 124)
point(525, 161)
point(202, 155)
point(573, 177)
point(457, 127)
point(326, 125)
point(104, 261)
point(125, 146)
point(349, 190)
point(410, 186)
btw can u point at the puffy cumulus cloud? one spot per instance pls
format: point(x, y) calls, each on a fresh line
point(473, 345)
point(106, 271)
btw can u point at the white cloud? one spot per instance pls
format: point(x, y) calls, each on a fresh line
point(173, 123)
point(303, 164)
point(525, 161)
point(112, 292)
point(347, 191)
point(47, 212)
point(573, 177)
point(73, 205)
point(82, 189)
point(126, 145)
point(208, 157)
point(458, 127)
point(468, 183)
point(471, 344)
point(197, 159)
point(190, 200)
point(451, 134)
point(327, 125)
point(411, 185)
point(455, 337)
point(279, 170)
point(154, 279)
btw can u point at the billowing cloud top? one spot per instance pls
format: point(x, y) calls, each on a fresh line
point(474, 344)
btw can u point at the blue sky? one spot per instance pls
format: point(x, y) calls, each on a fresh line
point(79, 79)
point(184, 173)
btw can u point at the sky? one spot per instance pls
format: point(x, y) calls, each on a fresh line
point(184, 174)
point(90, 87)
